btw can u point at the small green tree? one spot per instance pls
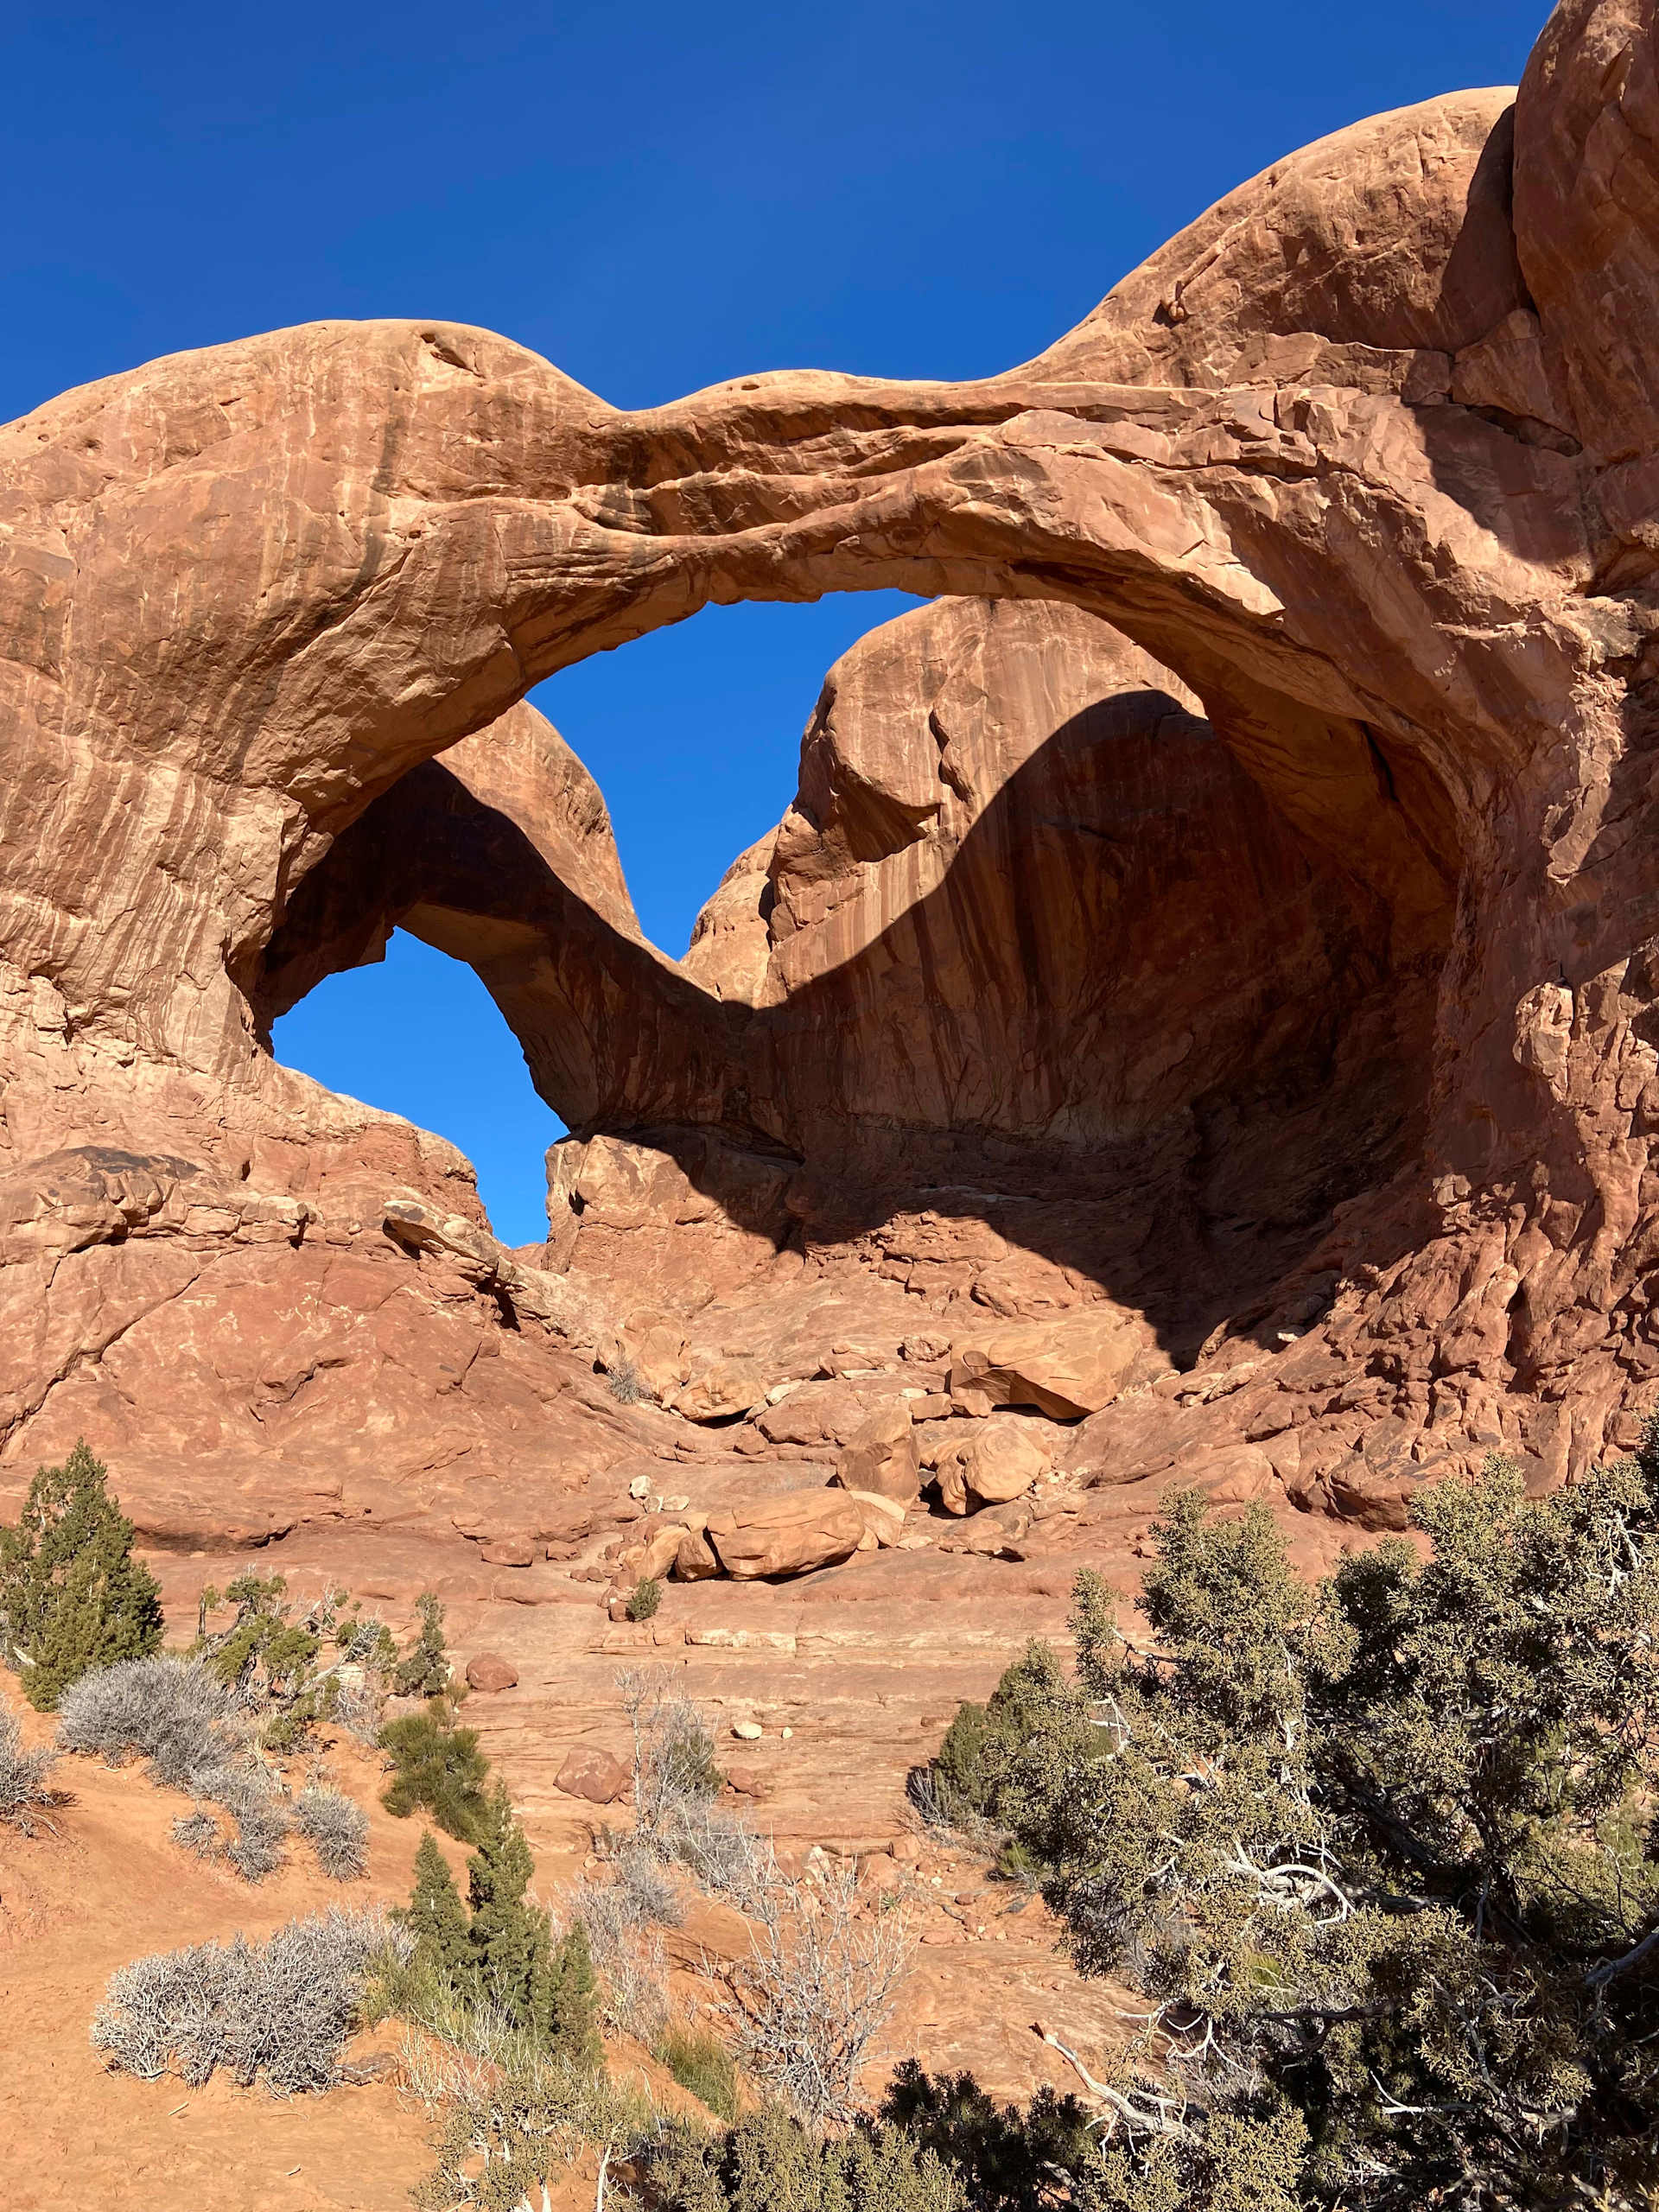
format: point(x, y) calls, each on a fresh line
point(572, 2001)
point(1382, 1854)
point(770, 2161)
point(438, 1769)
point(424, 1670)
point(511, 1938)
point(497, 1948)
point(436, 1918)
point(72, 1595)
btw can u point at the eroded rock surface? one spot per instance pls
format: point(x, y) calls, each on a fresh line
point(1226, 915)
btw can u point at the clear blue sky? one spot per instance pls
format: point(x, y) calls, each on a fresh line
point(655, 199)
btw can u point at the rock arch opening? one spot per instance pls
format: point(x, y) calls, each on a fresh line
point(1039, 990)
point(412, 1032)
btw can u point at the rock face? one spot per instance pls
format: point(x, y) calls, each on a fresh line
point(1225, 924)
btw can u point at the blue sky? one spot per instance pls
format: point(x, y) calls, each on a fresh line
point(655, 199)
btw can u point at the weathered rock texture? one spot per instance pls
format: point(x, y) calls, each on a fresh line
point(1249, 924)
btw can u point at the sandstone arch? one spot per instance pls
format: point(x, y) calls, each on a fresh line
point(1362, 458)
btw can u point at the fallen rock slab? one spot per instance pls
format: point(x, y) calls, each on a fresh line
point(726, 1391)
point(1069, 1367)
point(787, 1536)
point(488, 1672)
point(883, 1456)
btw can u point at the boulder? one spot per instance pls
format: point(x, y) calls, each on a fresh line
point(882, 1455)
point(814, 1413)
point(593, 1774)
point(787, 1536)
point(487, 1671)
point(725, 1391)
point(1068, 1367)
point(998, 1533)
point(1000, 1461)
point(695, 1560)
point(662, 1552)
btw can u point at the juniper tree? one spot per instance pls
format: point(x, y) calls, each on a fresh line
point(1381, 1853)
point(425, 1671)
point(438, 1770)
point(572, 2018)
point(72, 1595)
point(436, 1919)
point(511, 1937)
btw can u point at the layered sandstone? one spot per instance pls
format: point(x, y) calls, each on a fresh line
point(1247, 923)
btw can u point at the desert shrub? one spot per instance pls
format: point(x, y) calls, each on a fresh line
point(674, 1769)
point(197, 1831)
point(337, 1829)
point(626, 1384)
point(24, 1790)
point(808, 2000)
point(281, 2010)
point(1381, 1853)
point(436, 1769)
point(626, 1955)
point(184, 1722)
point(1006, 2160)
point(700, 2061)
point(261, 1817)
point(364, 1640)
point(815, 1989)
point(724, 1855)
point(646, 1598)
point(512, 2124)
point(424, 1670)
point(72, 1595)
point(651, 1897)
point(271, 1657)
point(770, 2160)
point(175, 1713)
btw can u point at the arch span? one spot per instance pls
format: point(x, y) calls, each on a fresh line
point(1352, 458)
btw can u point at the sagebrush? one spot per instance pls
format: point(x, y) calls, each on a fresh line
point(24, 1790)
point(281, 2010)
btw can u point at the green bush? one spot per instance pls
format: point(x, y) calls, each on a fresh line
point(514, 2125)
point(72, 1595)
point(769, 2160)
point(496, 1951)
point(701, 2062)
point(1006, 2160)
point(437, 1769)
point(1382, 1853)
point(976, 1769)
point(647, 1597)
point(271, 1656)
point(424, 1670)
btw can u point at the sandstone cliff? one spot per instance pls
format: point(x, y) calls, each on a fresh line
point(1234, 904)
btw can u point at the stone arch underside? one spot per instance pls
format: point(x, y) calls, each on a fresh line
point(1029, 954)
point(1354, 458)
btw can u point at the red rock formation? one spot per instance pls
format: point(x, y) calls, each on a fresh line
point(1366, 460)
